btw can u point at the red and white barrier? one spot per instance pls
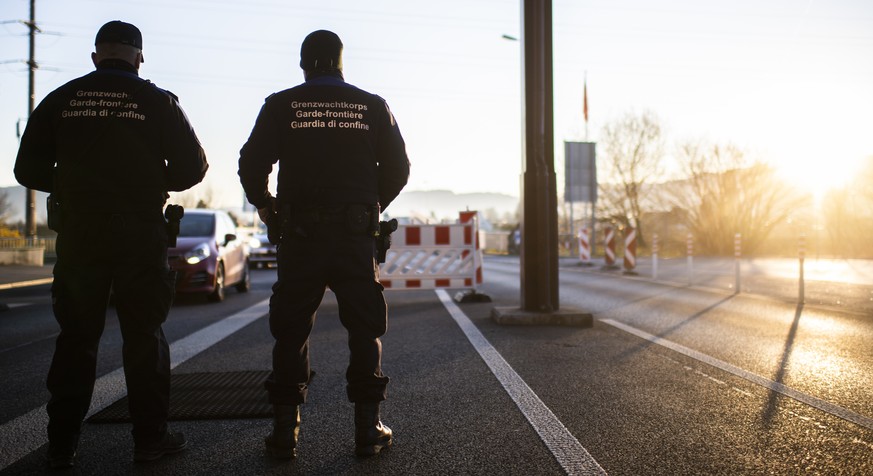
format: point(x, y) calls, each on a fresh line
point(609, 248)
point(584, 246)
point(630, 250)
point(434, 256)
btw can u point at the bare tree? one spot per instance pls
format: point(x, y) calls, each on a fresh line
point(198, 197)
point(631, 150)
point(848, 215)
point(5, 208)
point(723, 195)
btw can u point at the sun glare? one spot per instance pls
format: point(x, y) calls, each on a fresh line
point(816, 174)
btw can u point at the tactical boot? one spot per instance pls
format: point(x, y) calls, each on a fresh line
point(282, 442)
point(62, 452)
point(168, 444)
point(370, 434)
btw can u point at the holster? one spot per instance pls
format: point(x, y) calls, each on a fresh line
point(274, 228)
point(383, 238)
point(173, 214)
point(53, 213)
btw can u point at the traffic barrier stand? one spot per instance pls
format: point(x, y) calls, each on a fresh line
point(436, 256)
point(609, 248)
point(584, 248)
point(630, 251)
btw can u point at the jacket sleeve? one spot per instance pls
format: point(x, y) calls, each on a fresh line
point(256, 159)
point(35, 163)
point(186, 160)
point(393, 161)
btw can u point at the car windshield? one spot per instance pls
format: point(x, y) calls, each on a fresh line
point(197, 225)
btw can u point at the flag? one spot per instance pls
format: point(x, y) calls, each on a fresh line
point(585, 99)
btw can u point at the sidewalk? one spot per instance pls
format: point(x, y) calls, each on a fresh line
point(15, 276)
point(776, 279)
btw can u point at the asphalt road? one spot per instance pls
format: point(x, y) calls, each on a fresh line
point(670, 380)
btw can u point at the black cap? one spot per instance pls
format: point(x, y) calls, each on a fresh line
point(119, 32)
point(321, 50)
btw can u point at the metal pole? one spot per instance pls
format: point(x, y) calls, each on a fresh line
point(539, 244)
point(689, 249)
point(30, 198)
point(593, 235)
point(655, 256)
point(737, 253)
point(801, 295)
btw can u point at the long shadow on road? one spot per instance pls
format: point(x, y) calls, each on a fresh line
point(645, 344)
point(773, 396)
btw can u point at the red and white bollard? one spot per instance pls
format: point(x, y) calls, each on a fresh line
point(630, 251)
point(609, 247)
point(472, 233)
point(584, 247)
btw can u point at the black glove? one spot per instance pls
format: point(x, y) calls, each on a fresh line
point(270, 216)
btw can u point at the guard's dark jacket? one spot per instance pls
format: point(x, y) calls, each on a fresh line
point(336, 144)
point(118, 142)
point(109, 146)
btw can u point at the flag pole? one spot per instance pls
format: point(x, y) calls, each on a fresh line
point(585, 103)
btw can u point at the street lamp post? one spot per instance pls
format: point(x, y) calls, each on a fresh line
point(539, 223)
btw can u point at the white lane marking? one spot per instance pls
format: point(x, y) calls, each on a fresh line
point(822, 405)
point(23, 284)
point(23, 435)
point(566, 449)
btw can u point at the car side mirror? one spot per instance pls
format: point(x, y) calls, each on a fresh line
point(228, 238)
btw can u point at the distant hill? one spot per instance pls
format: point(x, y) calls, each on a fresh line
point(440, 204)
point(433, 205)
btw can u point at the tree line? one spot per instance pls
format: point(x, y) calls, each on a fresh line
point(720, 191)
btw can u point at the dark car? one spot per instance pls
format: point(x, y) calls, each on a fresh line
point(262, 252)
point(209, 257)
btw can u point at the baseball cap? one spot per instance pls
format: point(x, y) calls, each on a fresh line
point(321, 46)
point(119, 32)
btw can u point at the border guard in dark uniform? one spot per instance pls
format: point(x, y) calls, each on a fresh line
point(108, 147)
point(342, 161)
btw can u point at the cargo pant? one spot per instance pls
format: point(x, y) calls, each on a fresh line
point(125, 254)
point(312, 256)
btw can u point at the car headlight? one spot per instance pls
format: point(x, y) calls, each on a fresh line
point(197, 254)
point(255, 243)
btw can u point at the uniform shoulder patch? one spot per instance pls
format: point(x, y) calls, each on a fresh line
point(175, 98)
point(149, 83)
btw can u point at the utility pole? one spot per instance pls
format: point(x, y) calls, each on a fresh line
point(539, 243)
point(539, 227)
point(30, 201)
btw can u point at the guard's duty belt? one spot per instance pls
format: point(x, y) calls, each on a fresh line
point(327, 214)
point(338, 214)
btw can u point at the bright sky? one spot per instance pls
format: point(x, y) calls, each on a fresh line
point(789, 80)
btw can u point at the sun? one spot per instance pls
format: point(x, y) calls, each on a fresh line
point(816, 173)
